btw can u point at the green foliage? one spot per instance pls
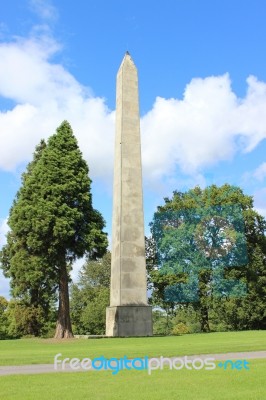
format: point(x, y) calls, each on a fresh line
point(90, 296)
point(63, 220)
point(24, 320)
point(52, 223)
point(3, 318)
point(162, 323)
point(180, 329)
point(93, 316)
point(206, 240)
point(31, 275)
point(187, 315)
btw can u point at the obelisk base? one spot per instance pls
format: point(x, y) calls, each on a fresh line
point(129, 321)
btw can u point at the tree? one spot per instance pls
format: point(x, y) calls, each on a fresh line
point(3, 318)
point(249, 311)
point(24, 319)
point(209, 238)
point(31, 276)
point(90, 296)
point(157, 282)
point(54, 218)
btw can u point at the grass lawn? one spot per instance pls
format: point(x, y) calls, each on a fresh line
point(167, 384)
point(42, 351)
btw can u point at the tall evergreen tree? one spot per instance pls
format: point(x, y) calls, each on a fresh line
point(54, 214)
point(31, 277)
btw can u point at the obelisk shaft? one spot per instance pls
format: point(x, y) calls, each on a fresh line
point(128, 314)
point(128, 283)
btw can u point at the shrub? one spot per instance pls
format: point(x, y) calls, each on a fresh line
point(180, 329)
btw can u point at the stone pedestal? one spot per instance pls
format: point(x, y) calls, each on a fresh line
point(129, 321)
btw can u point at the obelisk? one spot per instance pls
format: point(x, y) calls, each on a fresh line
point(128, 314)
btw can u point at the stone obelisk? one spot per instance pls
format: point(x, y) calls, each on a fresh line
point(128, 314)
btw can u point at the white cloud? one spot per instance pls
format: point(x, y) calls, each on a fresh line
point(208, 125)
point(260, 201)
point(47, 94)
point(44, 9)
point(260, 172)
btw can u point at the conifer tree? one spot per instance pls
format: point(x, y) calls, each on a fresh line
point(54, 218)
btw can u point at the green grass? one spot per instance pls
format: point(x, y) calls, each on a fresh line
point(42, 351)
point(166, 384)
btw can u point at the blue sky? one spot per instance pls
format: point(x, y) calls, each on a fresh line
point(202, 83)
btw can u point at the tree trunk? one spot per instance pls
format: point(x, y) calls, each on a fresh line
point(204, 319)
point(63, 325)
point(204, 278)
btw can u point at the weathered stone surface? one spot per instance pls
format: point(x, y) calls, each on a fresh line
point(129, 321)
